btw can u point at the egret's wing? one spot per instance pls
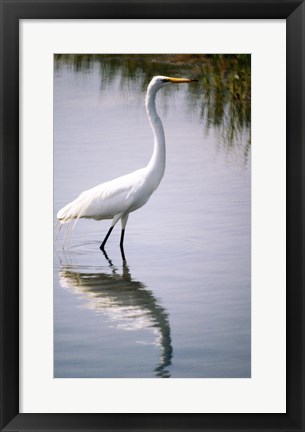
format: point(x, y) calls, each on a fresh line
point(105, 200)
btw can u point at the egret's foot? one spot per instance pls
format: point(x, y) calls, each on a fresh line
point(107, 257)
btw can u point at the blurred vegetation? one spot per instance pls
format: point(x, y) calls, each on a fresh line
point(222, 98)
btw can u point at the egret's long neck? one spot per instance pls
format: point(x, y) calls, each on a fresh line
point(156, 165)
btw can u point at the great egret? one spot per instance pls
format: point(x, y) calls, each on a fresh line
point(119, 197)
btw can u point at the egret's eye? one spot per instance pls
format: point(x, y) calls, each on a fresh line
point(164, 80)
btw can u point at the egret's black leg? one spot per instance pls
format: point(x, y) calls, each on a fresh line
point(121, 244)
point(102, 247)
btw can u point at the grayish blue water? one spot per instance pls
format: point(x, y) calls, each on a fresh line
point(180, 307)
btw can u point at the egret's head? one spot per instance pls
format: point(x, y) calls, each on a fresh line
point(161, 81)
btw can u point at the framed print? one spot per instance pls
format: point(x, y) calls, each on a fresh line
point(124, 263)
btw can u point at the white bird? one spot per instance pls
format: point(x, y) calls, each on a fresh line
point(117, 198)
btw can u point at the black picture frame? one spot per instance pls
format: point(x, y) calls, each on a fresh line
point(13, 11)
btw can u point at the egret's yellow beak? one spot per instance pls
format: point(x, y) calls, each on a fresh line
point(180, 80)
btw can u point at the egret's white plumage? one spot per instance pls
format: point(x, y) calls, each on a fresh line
point(117, 198)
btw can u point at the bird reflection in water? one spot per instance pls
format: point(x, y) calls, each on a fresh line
point(126, 302)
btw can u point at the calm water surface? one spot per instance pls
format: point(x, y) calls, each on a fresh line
point(180, 307)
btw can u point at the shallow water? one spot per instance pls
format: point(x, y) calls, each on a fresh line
point(180, 307)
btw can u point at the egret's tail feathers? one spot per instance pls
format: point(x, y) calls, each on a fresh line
point(57, 229)
point(65, 214)
point(69, 215)
point(68, 235)
point(76, 209)
point(71, 211)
